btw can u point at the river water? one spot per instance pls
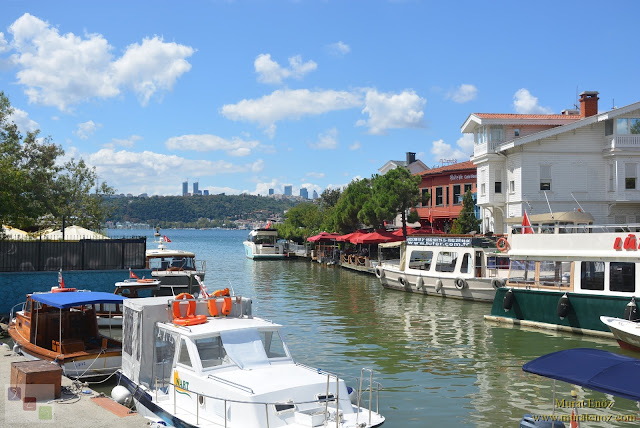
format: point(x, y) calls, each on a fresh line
point(440, 363)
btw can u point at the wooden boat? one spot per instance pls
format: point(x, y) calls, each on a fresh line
point(626, 332)
point(458, 266)
point(110, 314)
point(570, 276)
point(62, 327)
point(216, 365)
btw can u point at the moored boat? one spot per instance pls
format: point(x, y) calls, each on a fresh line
point(263, 244)
point(568, 278)
point(210, 362)
point(110, 314)
point(626, 332)
point(62, 327)
point(175, 269)
point(458, 266)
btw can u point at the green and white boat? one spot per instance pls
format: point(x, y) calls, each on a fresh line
point(565, 277)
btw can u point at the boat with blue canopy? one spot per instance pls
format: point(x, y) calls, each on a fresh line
point(62, 327)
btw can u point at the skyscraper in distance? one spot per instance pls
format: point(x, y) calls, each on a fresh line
point(288, 190)
point(185, 188)
point(271, 192)
point(304, 193)
point(315, 195)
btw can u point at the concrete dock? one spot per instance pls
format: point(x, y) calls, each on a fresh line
point(78, 407)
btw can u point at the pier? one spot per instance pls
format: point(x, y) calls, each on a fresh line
point(78, 406)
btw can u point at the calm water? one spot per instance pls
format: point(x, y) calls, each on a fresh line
point(439, 362)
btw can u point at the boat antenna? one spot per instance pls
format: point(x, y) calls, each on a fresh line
point(545, 196)
point(529, 205)
point(233, 292)
point(574, 198)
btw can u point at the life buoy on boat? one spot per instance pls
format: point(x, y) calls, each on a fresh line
point(190, 318)
point(61, 290)
point(502, 244)
point(220, 293)
point(497, 283)
point(145, 281)
point(460, 283)
point(438, 285)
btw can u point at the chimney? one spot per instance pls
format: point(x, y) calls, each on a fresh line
point(411, 158)
point(589, 103)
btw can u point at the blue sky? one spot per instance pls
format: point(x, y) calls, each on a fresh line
point(243, 96)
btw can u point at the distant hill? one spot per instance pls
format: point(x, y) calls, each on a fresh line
point(165, 210)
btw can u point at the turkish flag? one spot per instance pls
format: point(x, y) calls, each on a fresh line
point(526, 224)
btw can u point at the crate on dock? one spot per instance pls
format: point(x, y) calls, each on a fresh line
point(36, 379)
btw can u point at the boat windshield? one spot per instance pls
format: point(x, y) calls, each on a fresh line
point(246, 348)
point(172, 263)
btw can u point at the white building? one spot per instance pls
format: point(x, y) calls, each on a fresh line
point(542, 163)
point(415, 166)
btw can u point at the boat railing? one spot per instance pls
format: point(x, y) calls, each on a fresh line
point(580, 228)
point(200, 397)
point(233, 384)
point(13, 311)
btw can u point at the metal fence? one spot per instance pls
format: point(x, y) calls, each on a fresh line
point(88, 254)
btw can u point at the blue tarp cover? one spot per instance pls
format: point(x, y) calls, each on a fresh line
point(595, 369)
point(76, 298)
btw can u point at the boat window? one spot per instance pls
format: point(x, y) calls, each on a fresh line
point(245, 348)
point(622, 277)
point(465, 267)
point(547, 228)
point(165, 352)
point(273, 344)
point(131, 335)
point(495, 262)
point(555, 273)
point(420, 260)
point(184, 357)
point(265, 240)
point(211, 352)
point(446, 261)
point(592, 275)
point(522, 271)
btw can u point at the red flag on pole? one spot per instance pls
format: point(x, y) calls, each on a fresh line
point(60, 280)
point(164, 237)
point(526, 224)
point(133, 275)
point(268, 225)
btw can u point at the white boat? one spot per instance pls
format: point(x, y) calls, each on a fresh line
point(458, 266)
point(626, 332)
point(62, 327)
point(196, 367)
point(110, 314)
point(262, 244)
point(175, 269)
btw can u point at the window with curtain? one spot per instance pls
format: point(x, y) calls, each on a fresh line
point(630, 176)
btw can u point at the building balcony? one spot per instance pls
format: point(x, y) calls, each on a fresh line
point(613, 142)
point(484, 148)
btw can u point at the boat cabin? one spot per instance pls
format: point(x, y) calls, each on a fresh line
point(264, 237)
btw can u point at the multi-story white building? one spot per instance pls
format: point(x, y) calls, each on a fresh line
point(551, 163)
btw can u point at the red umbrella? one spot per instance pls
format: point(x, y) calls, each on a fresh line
point(323, 236)
point(410, 231)
point(376, 237)
point(349, 237)
point(427, 230)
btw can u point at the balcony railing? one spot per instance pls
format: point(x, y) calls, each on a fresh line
point(484, 148)
point(623, 141)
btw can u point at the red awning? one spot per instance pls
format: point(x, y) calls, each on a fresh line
point(349, 237)
point(377, 237)
point(323, 236)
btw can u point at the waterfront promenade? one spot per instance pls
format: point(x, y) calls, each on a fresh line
point(78, 406)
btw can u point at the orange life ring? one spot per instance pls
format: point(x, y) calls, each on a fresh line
point(213, 309)
point(145, 281)
point(61, 290)
point(502, 244)
point(220, 293)
point(190, 317)
point(226, 306)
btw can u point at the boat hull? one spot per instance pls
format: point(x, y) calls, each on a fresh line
point(477, 289)
point(539, 308)
point(254, 252)
point(626, 332)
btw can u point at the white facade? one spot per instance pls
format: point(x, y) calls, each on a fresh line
point(558, 163)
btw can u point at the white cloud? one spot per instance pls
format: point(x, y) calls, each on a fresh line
point(124, 142)
point(86, 129)
point(314, 174)
point(525, 103)
point(155, 173)
point(466, 143)
point(269, 71)
point(64, 70)
point(463, 93)
point(207, 142)
point(338, 49)
point(355, 146)
point(389, 111)
point(326, 141)
point(21, 119)
point(289, 104)
point(442, 150)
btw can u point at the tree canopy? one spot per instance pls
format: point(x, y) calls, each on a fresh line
point(466, 221)
point(38, 190)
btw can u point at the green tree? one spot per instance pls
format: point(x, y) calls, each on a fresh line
point(301, 221)
point(329, 198)
point(466, 221)
point(353, 198)
point(393, 193)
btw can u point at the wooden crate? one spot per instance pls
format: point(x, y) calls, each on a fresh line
point(38, 379)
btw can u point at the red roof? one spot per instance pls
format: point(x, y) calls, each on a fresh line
point(567, 117)
point(448, 168)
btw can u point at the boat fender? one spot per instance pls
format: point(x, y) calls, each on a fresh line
point(353, 395)
point(460, 283)
point(563, 306)
point(502, 244)
point(121, 395)
point(497, 283)
point(420, 283)
point(508, 300)
point(226, 306)
point(438, 285)
point(379, 272)
point(403, 281)
point(631, 310)
point(213, 309)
